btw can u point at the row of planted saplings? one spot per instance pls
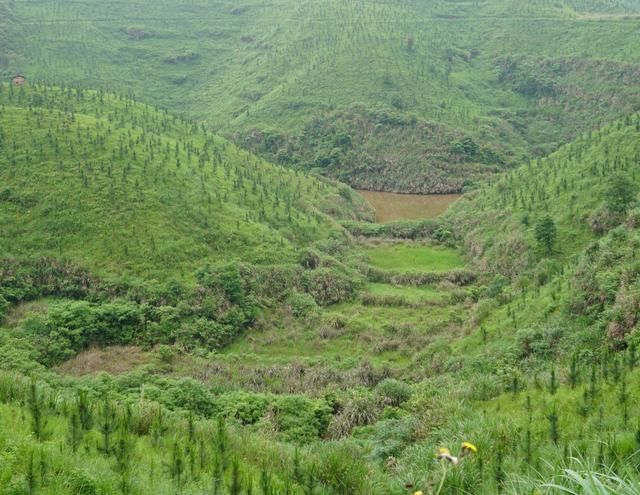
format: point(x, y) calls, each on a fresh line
point(608, 438)
point(609, 434)
point(146, 445)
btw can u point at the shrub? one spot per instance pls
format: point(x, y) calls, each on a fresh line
point(191, 395)
point(72, 327)
point(244, 407)
point(540, 341)
point(360, 410)
point(301, 304)
point(301, 419)
point(328, 286)
point(403, 229)
point(166, 354)
point(4, 306)
point(205, 333)
point(393, 392)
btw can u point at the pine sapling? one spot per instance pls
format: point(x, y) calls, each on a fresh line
point(74, 433)
point(265, 481)
point(30, 475)
point(235, 485)
point(554, 433)
point(553, 382)
point(574, 372)
point(177, 464)
point(623, 397)
point(36, 408)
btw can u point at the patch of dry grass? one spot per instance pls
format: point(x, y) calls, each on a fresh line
point(113, 360)
point(19, 312)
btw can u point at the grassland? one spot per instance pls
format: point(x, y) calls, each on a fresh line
point(405, 96)
point(416, 258)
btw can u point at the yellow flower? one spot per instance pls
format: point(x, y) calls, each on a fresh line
point(468, 448)
point(418, 493)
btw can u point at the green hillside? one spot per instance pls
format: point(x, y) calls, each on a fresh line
point(125, 227)
point(535, 361)
point(124, 188)
point(407, 96)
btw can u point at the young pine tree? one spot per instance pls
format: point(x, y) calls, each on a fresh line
point(123, 452)
point(37, 410)
point(74, 432)
point(108, 424)
point(235, 485)
point(554, 432)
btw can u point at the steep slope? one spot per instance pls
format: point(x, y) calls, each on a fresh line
point(578, 187)
point(468, 87)
point(545, 378)
point(124, 188)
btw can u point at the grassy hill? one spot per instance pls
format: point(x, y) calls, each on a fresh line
point(535, 360)
point(407, 96)
point(123, 226)
point(124, 188)
point(6, 30)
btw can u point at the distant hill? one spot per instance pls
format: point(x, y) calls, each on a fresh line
point(6, 31)
point(405, 96)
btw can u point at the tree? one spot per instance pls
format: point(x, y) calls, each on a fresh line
point(619, 194)
point(411, 41)
point(545, 233)
point(37, 408)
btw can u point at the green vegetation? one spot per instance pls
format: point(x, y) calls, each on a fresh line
point(180, 315)
point(122, 187)
point(530, 354)
point(415, 258)
point(402, 96)
point(545, 233)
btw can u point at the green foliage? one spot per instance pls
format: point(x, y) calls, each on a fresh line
point(328, 286)
point(620, 193)
point(408, 229)
point(301, 304)
point(545, 233)
point(393, 392)
point(246, 302)
point(173, 195)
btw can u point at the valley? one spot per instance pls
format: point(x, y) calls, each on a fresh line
point(332, 247)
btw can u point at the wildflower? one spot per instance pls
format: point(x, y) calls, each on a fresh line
point(468, 448)
point(418, 493)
